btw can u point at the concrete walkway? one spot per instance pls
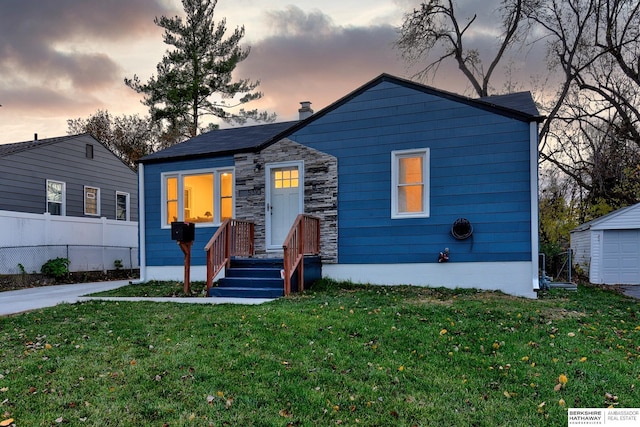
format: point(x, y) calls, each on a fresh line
point(630, 290)
point(13, 302)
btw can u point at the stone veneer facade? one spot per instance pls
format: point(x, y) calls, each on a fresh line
point(320, 192)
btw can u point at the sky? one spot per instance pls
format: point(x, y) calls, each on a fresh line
point(67, 59)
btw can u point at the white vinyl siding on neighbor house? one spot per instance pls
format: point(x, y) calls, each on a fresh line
point(609, 247)
point(91, 201)
point(200, 196)
point(410, 183)
point(56, 196)
point(621, 257)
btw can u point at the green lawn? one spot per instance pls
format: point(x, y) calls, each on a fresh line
point(336, 355)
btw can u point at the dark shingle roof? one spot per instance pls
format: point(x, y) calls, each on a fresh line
point(519, 101)
point(222, 141)
point(17, 147)
point(519, 106)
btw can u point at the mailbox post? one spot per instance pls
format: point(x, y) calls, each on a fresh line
point(184, 234)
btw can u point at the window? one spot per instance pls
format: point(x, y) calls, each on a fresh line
point(206, 197)
point(410, 184)
point(91, 201)
point(55, 197)
point(286, 178)
point(122, 206)
point(89, 151)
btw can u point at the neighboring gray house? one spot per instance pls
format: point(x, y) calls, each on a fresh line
point(608, 248)
point(65, 191)
point(69, 176)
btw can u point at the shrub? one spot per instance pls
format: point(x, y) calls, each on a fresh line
point(56, 268)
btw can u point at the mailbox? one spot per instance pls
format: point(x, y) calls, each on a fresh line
point(183, 231)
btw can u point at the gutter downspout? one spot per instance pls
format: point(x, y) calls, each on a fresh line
point(535, 210)
point(142, 235)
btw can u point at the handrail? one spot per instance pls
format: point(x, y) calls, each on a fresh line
point(233, 238)
point(303, 239)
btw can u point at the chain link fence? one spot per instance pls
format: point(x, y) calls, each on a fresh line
point(29, 259)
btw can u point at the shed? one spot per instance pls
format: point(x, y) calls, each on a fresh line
point(608, 248)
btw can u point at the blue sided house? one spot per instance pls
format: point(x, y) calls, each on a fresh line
point(395, 183)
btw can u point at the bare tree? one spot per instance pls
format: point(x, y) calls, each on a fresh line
point(592, 131)
point(435, 30)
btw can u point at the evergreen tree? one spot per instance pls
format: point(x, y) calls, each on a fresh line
point(194, 78)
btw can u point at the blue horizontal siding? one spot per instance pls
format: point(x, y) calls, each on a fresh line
point(161, 250)
point(479, 169)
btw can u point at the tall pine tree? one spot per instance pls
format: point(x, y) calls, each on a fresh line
point(194, 78)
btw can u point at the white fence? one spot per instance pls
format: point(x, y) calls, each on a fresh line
point(27, 241)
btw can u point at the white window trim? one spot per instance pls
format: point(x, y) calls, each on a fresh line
point(63, 204)
point(84, 200)
point(128, 204)
point(179, 175)
point(395, 155)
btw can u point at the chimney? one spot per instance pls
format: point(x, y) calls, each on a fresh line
point(35, 136)
point(305, 110)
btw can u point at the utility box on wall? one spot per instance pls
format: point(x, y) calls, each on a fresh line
point(183, 231)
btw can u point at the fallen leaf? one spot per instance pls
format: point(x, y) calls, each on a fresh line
point(47, 346)
point(562, 379)
point(507, 394)
point(583, 359)
point(285, 413)
point(220, 394)
point(443, 331)
point(557, 387)
point(60, 420)
point(6, 422)
point(561, 402)
point(210, 399)
point(571, 334)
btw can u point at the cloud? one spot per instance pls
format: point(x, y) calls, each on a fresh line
point(309, 58)
point(56, 42)
point(62, 58)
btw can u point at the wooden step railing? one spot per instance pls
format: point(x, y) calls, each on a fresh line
point(303, 239)
point(233, 238)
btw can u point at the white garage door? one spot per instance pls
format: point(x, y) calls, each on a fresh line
point(621, 257)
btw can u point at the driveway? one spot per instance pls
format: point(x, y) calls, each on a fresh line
point(630, 290)
point(13, 302)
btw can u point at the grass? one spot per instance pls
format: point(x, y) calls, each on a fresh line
point(156, 289)
point(336, 355)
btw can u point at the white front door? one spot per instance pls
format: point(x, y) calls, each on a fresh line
point(284, 201)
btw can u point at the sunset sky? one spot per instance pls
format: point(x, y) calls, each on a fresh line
point(66, 59)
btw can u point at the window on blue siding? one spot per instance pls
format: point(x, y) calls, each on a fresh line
point(55, 197)
point(410, 183)
point(202, 196)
